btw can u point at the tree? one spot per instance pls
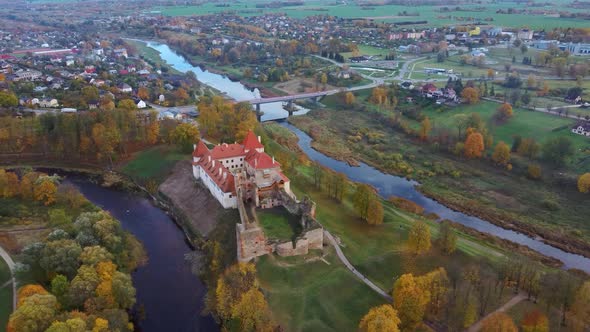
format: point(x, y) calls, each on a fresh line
point(491, 74)
point(419, 238)
point(584, 183)
point(184, 136)
point(581, 306)
point(349, 98)
point(528, 147)
point(498, 322)
point(59, 287)
point(181, 94)
point(535, 321)
point(534, 171)
point(35, 314)
point(28, 291)
point(447, 238)
point(375, 211)
point(45, 191)
point(61, 257)
point(8, 99)
point(474, 145)
point(252, 311)
point(425, 128)
point(380, 319)
point(504, 112)
point(235, 281)
point(501, 155)
point(106, 139)
point(93, 255)
point(558, 150)
point(143, 93)
point(362, 198)
point(127, 104)
point(9, 184)
point(470, 95)
point(410, 301)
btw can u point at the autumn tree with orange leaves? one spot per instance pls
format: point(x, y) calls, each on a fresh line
point(474, 145)
point(498, 322)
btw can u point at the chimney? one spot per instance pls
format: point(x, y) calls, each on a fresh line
point(259, 139)
point(209, 158)
point(220, 171)
point(213, 163)
point(273, 160)
point(194, 147)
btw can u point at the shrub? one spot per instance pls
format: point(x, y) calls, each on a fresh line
point(534, 171)
point(406, 205)
point(550, 205)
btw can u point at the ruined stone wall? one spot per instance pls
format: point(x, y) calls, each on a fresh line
point(251, 243)
point(312, 239)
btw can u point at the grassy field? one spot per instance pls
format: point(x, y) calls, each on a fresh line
point(389, 13)
point(278, 223)
point(5, 306)
point(314, 295)
point(154, 163)
point(5, 295)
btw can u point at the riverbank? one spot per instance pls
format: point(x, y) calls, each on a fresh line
point(339, 142)
point(390, 185)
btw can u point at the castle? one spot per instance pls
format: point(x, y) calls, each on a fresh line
point(242, 170)
point(243, 176)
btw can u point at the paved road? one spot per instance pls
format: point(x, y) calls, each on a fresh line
point(513, 301)
point(10, 264)
point(353, 270)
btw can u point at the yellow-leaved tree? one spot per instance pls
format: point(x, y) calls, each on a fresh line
point(410, 300)
point(501, 155)
point(45, 191)
point(382, 318)
point(349, 98)
point(252, 312)
point(474, 145)
point(535, 321)
point(584, 183)
point(419, 238)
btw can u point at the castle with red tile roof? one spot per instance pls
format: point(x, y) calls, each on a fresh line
point(241, 170)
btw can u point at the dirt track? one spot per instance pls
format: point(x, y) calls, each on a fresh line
point(193, 199)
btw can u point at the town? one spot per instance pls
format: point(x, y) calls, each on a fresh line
point(294, 166)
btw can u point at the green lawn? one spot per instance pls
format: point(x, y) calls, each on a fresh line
point(5, 306)
point(154, 163)
point(5, 295)
point(278, 223)
point(314, 296)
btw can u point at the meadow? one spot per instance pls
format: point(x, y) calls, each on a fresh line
point(154, 163)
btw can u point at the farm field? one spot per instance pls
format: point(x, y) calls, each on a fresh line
point(387, 13)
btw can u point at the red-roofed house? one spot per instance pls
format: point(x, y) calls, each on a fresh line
point(231, 169)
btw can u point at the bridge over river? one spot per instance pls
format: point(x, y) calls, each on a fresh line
point(315, 96)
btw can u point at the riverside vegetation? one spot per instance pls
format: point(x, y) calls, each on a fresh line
point(75, 273)
point(459, 156)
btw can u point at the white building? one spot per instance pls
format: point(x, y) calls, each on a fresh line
point(245, 170)
point(582, 128)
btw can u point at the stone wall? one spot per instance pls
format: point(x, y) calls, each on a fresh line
point(251, 243)
point(312, 239)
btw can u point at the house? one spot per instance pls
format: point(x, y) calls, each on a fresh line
point(93, 104)
point(582, 128)
point(27, 75)
point(428, 89)
point(125, 88)
point(525, 34)
point(407, 85)
point(48, 102)
point(241, 170)
point(141, 104)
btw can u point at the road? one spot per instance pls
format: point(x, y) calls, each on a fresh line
point(354, 271)
point(513, 301)
point(10, 264)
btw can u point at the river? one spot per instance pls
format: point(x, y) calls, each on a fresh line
point(386, 184)
point(170, 294)
point(234, 90)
